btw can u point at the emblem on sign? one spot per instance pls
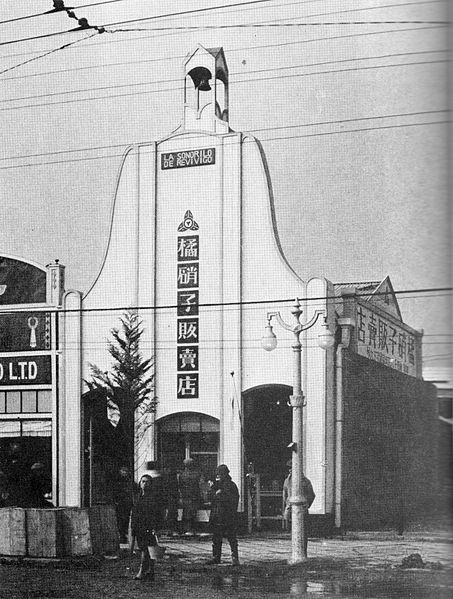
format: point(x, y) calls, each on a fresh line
point(32, 325)
point(188, 224)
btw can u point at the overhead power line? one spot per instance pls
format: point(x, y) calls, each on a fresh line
point(264, 129)
point(111, 40)
point(280, 77)
point(175, 14)
point(310, 301)
point(57, 10)
point(63, 47)
point(232, 76)
point(273, 23)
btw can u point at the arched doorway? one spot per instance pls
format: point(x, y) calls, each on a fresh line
point(267, 433)
point(188, 434)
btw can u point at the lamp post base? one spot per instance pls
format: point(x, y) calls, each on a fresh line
point(294, 560)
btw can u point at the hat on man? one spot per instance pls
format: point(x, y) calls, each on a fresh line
point(223, 470)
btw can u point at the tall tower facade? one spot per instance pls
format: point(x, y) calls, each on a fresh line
point(193, 244)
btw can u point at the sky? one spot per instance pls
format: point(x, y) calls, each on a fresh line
point(349, 99)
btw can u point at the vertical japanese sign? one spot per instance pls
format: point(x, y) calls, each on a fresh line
point(188, 255)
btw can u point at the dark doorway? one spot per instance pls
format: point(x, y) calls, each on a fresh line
point(267, 432)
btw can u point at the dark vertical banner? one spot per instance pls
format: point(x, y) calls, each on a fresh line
point(187, 336)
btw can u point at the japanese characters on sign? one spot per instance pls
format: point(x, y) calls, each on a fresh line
point(382, 340)
point(187, 158)
point(187, 334)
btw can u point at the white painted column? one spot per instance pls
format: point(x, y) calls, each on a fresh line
point(70, 409)
point(230, 422)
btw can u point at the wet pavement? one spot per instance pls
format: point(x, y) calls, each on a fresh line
point(361, 566)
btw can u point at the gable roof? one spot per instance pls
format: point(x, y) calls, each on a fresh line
point(379, 293)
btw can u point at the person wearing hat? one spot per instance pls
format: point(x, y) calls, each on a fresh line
point(223, 519)
point(189, 491)
point(308, 493)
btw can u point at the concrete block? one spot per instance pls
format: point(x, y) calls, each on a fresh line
point(76, 531)
point(13, 540)
point(44, 533)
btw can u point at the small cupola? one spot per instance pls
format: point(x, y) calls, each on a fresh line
point(206, 91)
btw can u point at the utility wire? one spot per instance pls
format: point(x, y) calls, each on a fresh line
point(58, 10)
point(63, 47)
point(256, 130)
point(254, 47)
point(179, 88)
point(309, 16)
point(296, 125)
point(239, 74)
point(124, 146)
point(309, 301)
point(175, 14)
point(84, 24)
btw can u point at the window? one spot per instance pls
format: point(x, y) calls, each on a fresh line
point(26, 402)
point(12, 402)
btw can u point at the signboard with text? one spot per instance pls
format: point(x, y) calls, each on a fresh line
point(186, 158)
point(380, 339)
point(25, 370)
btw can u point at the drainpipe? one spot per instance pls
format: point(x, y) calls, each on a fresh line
point(346, 325)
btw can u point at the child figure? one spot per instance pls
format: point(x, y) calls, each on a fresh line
point(145, 519)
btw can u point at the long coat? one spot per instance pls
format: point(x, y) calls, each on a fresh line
point(224, 504)
point(146, 517)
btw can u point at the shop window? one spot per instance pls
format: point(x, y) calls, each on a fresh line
point(13, 402)
point(2, 402)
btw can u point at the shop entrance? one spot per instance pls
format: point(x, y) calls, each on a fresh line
point(188, 435)
point(267, 433)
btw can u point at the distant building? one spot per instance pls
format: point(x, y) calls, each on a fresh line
point(193, 244)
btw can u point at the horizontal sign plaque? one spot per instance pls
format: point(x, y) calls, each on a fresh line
point(186, 158)
point(25, 370)
point(25, 331)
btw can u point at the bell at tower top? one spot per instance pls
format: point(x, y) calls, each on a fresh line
point(206, 91)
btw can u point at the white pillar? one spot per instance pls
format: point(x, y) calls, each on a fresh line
point(70, 415)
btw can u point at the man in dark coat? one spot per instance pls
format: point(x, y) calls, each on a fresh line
point(146, 519)
point(223, 519)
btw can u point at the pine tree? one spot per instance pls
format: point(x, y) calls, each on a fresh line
point(129, 386)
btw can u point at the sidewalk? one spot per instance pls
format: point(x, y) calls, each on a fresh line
point(359, 550)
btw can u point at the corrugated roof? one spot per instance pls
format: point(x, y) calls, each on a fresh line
point(368, 286)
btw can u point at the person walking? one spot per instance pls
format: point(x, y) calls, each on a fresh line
point(223, 519)
point(145, 520)
point(189, 490)
point(307, 492)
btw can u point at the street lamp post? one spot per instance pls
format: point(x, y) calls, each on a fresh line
point(297, 402)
